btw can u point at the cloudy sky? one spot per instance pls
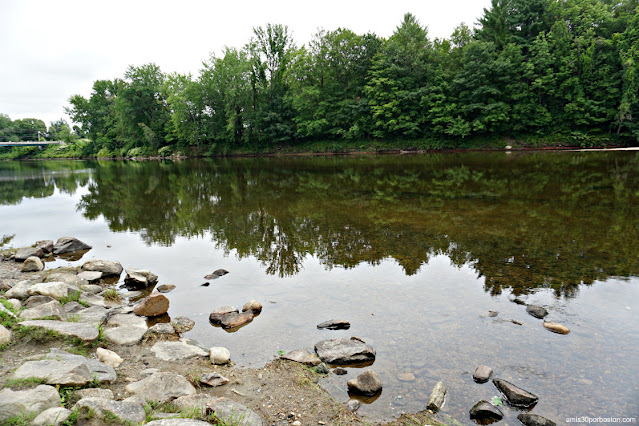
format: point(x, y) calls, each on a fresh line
point(50, 50)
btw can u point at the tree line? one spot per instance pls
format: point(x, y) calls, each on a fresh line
point(532, 68)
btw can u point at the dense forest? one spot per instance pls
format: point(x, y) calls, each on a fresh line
point(536, 70)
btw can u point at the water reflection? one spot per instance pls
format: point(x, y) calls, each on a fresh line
point(522, 221)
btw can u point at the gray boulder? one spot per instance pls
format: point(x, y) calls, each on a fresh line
point(93, 314)
point(46, 310)
point(45, 245)
point(19, 291)
point(107, 267)
point(55, 290)
point(516, 396)
point(367, 383)
point(53, 416)
point(34, 301)
point(32, 264)
point(123, 410)
point(162, 387)
point(83, 331)
point(29, 402)
point(23, 254)
point(175, 351)
point(125, 335)
point(99, 370)
point(119, 320)
point(5, 335)
point(343, 351)
point(69, 245)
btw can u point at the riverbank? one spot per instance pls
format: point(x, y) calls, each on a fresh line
point(83, 149)
point(60, 335)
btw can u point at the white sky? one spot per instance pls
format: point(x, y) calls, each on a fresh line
point(50, 50)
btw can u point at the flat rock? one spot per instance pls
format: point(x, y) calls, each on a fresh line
point(556, 327)
point(55, 290)
point(93, 314)
point(516, 396)
point(23, 254)
point(106, 267)
point(119, 320)
point(32, 264)
point(162, 387)
point(73, 307)
point(235, 320)
point(536, 311)
point(5, 335)
point(84, 331)
point(153, 305)
point(482, 374)
point(45, 245)
point(302, 356)
point(175, 351)
point(125, 335)
point(29, 402)
point(91, 288)
point(99, 370)
point(219, 355)
point(216, 316)
point(165, 288)
point(90, 276)
point(182, 324)
point(139, 278)
point(178, 422)
point(51, 309)
point(484, 410)
point(108, 357)
point(213, 379)
point(367, 383)
point(66, 277)
point(437, 397)
point(52, 417)
point(95, 393)
point(93, 299)
point(123, 410)
point(335, 325)
point(252, 306)
point(534, 420)
point(231, 412)
point(406, 377)
point(69, 245)
point(344, 351)
point(65, 373)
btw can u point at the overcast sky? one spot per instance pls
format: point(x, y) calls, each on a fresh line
point(50, 50)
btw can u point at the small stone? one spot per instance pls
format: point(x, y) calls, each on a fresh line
point(516, 396)
point(528, 419)
point(52, 417)
point(153, 305)
point(220, 272)
point(5, 335)
point(406, 377)
point(253, 306)
point(165, 288)
point(15, 303)
point(161, 331)
point(302, 356)
point(436, 400)
point(219, 355)
point(536, 311)
point(109, 357)
point(482, 374)
point(296, 423)
point(213, 379)
point(32, 264)
point(556, 327)
point(367, 383)
point(353, 405)
point(321, 369)
point(340, 371)
point(335, 325)
point(493, 313)
point(216, 316)
point(484, 410)
point(182, 324)
point(235, 320)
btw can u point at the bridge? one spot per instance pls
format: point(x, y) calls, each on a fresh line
point(30, 143)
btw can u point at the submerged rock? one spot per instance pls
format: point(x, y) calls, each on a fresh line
point(534, 420)
point(556, 327)
point(484, 410)
point(516, 396)
point(335, 325)
point(437, 397)
point(344, 351)
point(69, 245)
point(536, 311)
point(367, 383)
point(482, 374)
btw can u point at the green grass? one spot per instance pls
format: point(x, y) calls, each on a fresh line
point(21, 420)
point(111, 295)
point(25, 383)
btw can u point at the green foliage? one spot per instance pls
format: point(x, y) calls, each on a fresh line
point(24, 383)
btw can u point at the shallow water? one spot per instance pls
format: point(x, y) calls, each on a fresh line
point(412, 250)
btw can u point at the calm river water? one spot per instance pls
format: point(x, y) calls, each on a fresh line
point(413, 250)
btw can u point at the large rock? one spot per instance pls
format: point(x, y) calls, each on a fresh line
point(125, 411)
point(69, 245)
point(32, 264)
point(536, 311)
point(84, 331)
point(45, 245)
point(119, 320)
point(52, 417)
point(343, 351)
point(231, 412)
point(482, 374)
point(515, 395)
point(367, 383)
point(556, 327)
point(23, 254)
point(219, 355)
point(55, 290)
point(108, 357)
point(235, 320)
point(153, 305)
point(335, 325)
point(436, 400)
point(162, 387)
point(19, 291)
point(93, 300)
point(125, 335)
point(139, 278)
point(99, 370)
point(175, 351)
point(182, 324)
point(54, 372)
point(27, 402)
point(216, 316)
point(34, 301)
point(484, 410)
point(107, 267)
point(67, 278)
point(5, 335)
point(534, 420)
point(51, 309)
point(302, 356)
